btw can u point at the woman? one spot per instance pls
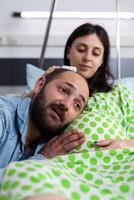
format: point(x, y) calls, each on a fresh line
point(88, 49)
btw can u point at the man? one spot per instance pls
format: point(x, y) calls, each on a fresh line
point(27, 124)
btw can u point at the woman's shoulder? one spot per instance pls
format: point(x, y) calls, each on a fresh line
point(117, 90)
point(122, 91)
point(118, 96)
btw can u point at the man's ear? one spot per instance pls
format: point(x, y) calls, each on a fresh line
point(39, 84)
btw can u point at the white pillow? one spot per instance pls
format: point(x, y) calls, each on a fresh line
point(32, 74)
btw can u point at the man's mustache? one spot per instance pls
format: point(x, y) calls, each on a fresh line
point(60, 110)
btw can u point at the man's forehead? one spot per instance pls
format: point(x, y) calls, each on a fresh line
point(70, 75)
point(71, 78)
point(76, 82)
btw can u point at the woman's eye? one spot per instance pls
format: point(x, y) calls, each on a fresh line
point(81, 50)
point(96, 54)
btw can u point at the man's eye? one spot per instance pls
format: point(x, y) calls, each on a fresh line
point(63, 90)
point(77, 106)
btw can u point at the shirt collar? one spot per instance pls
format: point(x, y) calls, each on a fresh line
point(22, 117)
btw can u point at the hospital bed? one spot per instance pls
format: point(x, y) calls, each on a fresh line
point(86, 173)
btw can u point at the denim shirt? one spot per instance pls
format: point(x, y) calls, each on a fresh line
point(14, 112)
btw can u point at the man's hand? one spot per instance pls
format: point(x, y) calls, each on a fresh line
point(114, 144)
point(61, 145)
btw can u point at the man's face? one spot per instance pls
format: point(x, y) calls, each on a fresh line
point(59, 102)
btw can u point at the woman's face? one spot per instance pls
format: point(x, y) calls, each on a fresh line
point(86, 53)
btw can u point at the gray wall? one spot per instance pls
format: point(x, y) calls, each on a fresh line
point(13, 71)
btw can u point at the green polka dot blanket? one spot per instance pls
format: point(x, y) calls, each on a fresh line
point(86, 173)
point(98, 175)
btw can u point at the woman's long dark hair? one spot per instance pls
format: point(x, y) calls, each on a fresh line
point(99, 81)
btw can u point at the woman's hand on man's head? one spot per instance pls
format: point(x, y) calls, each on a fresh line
point(51, 69)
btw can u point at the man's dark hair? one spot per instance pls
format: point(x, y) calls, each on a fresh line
point(57, 73)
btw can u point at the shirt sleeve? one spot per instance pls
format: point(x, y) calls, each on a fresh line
point(2, 123)
point(1, 173)
point(127, 108)
point(37, 157)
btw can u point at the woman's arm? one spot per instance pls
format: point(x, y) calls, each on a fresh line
point(114, 144)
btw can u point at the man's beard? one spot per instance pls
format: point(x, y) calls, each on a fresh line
point(40, 118)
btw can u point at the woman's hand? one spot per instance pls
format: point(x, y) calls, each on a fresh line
point(51, 69)
point(61, 145)
point(114, 144)
point(45, 197)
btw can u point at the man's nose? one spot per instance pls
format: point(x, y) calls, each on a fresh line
point(66, 103)
point(63, 107)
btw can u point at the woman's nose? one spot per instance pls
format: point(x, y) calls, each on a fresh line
point(88, 56)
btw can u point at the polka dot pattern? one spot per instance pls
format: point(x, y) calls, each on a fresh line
point(86, 173)
point(92, 175)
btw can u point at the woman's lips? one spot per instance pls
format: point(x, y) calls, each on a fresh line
point(84, 67)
